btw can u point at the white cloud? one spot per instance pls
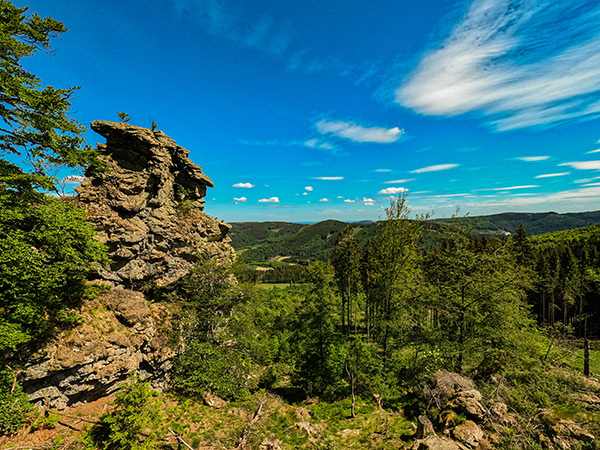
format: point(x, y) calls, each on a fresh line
point(349, 201)
point(240, 199)
point(328, 178)
point(368, 201)
point(435, 168)
point(594, 151)
point(583, 165)
point(382, 170)
point(358, 133)
point(315, 143)
point(511, 188)
point(533, 158)
point(243, 185)
point(521, 64)
point(340, 197)
point(73, 179)
point(308, 188)
point(399, 181)
point(324, 200)
point(305, 193)
point(552, 175)
point(393, 190)
point(587, 180)
point(269, 200)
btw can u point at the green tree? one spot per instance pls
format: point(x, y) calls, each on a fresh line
point(346, 263)
point(132, 425)
point(35, 124)
point(479, 294)
point(47, 252)
point(320, 353)
point(393, 276)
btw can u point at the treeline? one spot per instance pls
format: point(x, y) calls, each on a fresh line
point(566, 290)
point(374, 320)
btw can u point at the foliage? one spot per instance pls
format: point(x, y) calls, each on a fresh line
point(14, 405)
point(207, 294)
point(479, 296)
point(35, 124)
point(47, 251)
point(131, 425)
point(46, 248)
point(207, 367)
point(319, 353)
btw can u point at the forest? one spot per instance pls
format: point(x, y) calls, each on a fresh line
point(359, 332)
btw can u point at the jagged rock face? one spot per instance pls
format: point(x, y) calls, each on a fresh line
point(148, 207)
point(120, 334)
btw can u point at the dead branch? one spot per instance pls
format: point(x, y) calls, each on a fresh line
point(180, 439)
point(255, 418)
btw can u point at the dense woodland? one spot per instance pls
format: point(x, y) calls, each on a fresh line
point(382, 313)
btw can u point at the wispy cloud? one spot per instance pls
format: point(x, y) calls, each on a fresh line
point(243, 185)
point(316, 143)
point(435, 168)
point(522, 64)
point(587, 180)
point(269, 200)
point(583, 165)
point(393, 190)
point(511, 188)
point(240, 199)
point(553, 175)
point(349, 201)
point(324, 199)
point(308, 188)
point(382, 170)
point(328, 178)
point(358, 133)
point(594, 151)
point(532, 158)
point(237, 23)
point(398, 181)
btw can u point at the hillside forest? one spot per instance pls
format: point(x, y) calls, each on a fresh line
point(352, 340)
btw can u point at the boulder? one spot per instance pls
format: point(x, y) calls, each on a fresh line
point(148, 207)
point(452, 390)
point(468, 433)
point(434, 442)
point(424, 427)
point(214, 401)
point(270, 443)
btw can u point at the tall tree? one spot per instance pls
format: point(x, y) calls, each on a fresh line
point(346, 263)
point(46, 249)
point(35, 122)
point(479, 291)
point(392, 275)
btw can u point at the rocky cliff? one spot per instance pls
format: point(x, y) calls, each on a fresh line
point(148, 207)
point(120, 334)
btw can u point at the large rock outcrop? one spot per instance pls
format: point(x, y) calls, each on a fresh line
point(148, 207)
point(119, 334)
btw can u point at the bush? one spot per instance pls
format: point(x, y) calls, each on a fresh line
point(206, 367)
point(133, 425)
point(14, 406)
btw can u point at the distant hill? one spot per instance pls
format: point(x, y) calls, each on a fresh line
point(301, 243)
point(535, 223)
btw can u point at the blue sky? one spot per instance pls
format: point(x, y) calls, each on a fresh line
point(311, 110)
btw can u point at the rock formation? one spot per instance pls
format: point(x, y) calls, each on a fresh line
point(148, 207)
point(120, 334)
